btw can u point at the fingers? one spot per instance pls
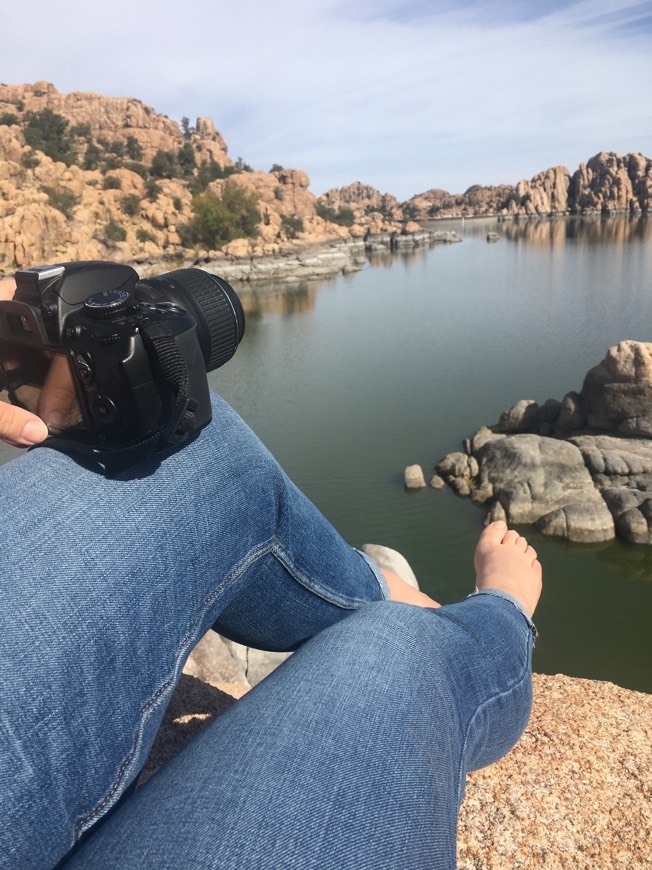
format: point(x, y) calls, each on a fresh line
point(7, 288)
point(20, 428)
point(58, 394)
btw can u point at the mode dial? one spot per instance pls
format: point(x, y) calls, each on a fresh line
point(106, 304)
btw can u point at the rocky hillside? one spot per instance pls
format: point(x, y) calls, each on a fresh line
point(606, 184)
point(84, 176)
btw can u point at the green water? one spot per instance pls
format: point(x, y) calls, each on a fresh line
point(350, 380)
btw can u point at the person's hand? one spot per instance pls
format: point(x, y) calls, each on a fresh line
point(17, 426)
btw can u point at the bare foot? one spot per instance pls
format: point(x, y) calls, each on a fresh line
point(401, 591)
point(504, 560)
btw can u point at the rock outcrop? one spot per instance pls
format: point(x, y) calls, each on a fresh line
point(83, 176)
point(579, 468)
point(608, 183)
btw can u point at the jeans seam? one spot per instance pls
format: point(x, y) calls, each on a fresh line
point(313, 585)
point(271, 546)
point(147, 710)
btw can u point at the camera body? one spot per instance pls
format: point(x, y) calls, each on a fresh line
point(136, 352)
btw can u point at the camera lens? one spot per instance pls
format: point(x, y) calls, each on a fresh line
point(213, 304)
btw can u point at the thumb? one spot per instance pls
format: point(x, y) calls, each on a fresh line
point(19, 427)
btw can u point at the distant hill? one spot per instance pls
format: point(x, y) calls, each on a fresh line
point(606, 184)
point(83, 176)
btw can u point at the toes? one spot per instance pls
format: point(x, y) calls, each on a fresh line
point(531, 553)
point(493, 533)
point(511, 537)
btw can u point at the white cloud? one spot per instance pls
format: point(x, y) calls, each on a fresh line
point(403, 95)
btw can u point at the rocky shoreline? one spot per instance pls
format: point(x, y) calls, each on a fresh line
point(303, 262)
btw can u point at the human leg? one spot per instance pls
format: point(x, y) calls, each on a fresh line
point(106, 587)
point(354, 753)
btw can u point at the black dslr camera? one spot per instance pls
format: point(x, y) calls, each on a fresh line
point(114, 364)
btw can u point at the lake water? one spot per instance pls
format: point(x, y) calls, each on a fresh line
point(350, 380)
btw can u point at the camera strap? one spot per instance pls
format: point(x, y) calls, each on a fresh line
point(172, 376)
point(162, 344)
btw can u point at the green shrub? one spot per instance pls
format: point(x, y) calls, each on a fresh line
point(91, 157)
point(130, 204)
point(177, 203)
point(138, 168)
point(186, 159)
point(152, 189)
point(117, 147)
point(63, 200)
point(145, 236)
point(164, 164)
point(134, 149)
point(217, 221)
point(276, 167)
point(209, 171)
point(291, 225)
point(30, 160)
point(344, 216)
point(241, 166)
point(114, 232)
point(81, 130)
point(48, 132)
point(8, 119)
point(112, 183)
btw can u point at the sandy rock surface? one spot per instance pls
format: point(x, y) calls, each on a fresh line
point(575, 792)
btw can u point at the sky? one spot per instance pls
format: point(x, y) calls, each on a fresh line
point(405, 95)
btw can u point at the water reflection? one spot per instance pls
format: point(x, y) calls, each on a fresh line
point(557, 232)
point(386, 259)
point(263, 298)
point(630, 560)
point(260, 298)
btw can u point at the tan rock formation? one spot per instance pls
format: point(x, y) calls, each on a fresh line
point(606, 183)
point(114, 118)
point(102, 206)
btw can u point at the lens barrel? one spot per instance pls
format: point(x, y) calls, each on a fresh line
point(212, 302)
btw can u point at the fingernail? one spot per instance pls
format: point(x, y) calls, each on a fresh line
point(33, 432)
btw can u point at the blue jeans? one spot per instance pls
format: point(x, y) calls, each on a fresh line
point(352, 754)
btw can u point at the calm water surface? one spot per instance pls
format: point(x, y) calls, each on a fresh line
point(350, 380)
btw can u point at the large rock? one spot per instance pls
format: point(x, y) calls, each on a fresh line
point(544, 481)
point(622, 470)
point(579, 484)
point(606, 183)
point(617, 393)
